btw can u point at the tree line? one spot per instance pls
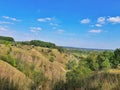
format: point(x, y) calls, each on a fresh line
point(4, 39)
point(10, 40)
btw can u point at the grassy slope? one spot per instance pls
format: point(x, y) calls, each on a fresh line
point(15, 76)
point(38, 58)
point(102, 80)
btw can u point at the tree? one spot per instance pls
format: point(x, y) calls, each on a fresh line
point(42, 44)
point(115, 60)
point(106, 64)
point(103, 60)
point(71, 64)
point(75, 77)
point(7, 38)
point(92, 61)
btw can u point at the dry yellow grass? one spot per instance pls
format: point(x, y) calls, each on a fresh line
point(114, 71)
point(7, 71)
point(39, 57)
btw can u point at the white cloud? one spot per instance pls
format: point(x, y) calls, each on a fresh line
point(53, 24)
point(60, 31)
point(114, 19)
point(48, 18)
point(95, 31)
point(98, 25)
point(85, 21)
point(101, 20)
point(44, 19)
point(35, 29)
point(10, 18)
point(3, 28)
point(3, 22)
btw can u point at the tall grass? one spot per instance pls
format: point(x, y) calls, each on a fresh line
point(6, 84)
point(99, 81)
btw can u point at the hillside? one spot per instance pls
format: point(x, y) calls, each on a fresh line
point(11, 78)
point(37, 65)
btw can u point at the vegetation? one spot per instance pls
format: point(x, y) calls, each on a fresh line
point(10, 39)
point(51, 59)
point(38, 43)
point(115, 60)
point(45, 66)
point(76, 76)
point(42, 44)
point(28, 62)
point(99, 67)
point(7, 84)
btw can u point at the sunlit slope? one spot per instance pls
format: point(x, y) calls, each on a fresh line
point(103, 80)
point(28, 60)
point(15, 77)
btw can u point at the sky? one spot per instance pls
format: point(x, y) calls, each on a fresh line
point(75, 23)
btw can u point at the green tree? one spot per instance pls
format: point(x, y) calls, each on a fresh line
point(75, 77)
point(115, 60)
point(7, 38)
point(71, 64)
point(106, 64)
point(92, 61)
point(103, 60)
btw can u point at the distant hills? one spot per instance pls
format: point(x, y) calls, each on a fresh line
point(86, 49)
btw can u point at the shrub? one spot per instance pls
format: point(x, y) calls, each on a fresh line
point(8, 58)
point(77, 75)
point(39, 79)
point(51, 59)
point(71, 64)
point(59, 85)
point(106, 64)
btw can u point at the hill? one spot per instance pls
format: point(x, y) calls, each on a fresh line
point(39, 65)
point(4, 38)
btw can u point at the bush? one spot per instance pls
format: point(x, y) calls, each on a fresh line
point(8, 58)
point(106, 64)
point(51, 59)
point(60, 49)
point(77, 75)
point(39, 79)
point(59, 85)
point(103, 60)
point(71, 64)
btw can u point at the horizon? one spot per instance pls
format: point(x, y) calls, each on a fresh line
point(66, 46)
point(84, 24)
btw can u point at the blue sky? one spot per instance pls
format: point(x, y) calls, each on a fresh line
point(77, 23)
